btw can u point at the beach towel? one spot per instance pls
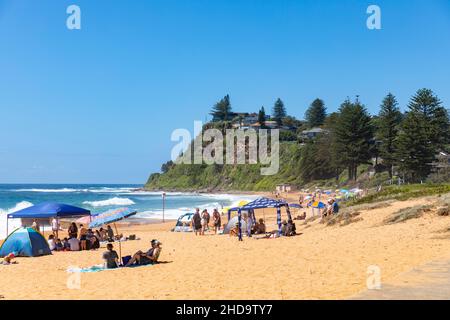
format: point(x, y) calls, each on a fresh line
point(99, 267)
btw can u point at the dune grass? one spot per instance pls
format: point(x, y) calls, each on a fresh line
point(408, 213)
point(403, 192)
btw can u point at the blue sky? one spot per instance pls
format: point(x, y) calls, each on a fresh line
point(98, 105)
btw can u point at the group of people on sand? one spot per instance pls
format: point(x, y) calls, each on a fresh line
point(112, 260)
point(81, 238)
point(201, 221)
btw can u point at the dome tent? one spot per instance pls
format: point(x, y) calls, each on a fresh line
point(232, 224)
point(25, 242)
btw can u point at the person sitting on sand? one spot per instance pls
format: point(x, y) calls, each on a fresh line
point(217, 220)
point(196, 222)
point(92, 240)
point(149, 257)
point(58, 245)
point(66, 244)
point(288, 229)
point(110, 233)
point(260, 227)
point(9, 259)
point(102, 234)
point(110, 257)
point(51, 242)
point(74, 244)
point(234, 232)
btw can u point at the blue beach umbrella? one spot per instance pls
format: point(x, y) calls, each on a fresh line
point(112, 216)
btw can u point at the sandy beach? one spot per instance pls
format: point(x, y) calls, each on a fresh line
point(322, 262)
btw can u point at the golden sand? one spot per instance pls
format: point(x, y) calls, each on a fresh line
point(320, 263)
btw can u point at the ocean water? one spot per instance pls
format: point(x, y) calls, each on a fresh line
point(100, 198)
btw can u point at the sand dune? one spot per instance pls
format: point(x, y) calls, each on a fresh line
point(321, 263)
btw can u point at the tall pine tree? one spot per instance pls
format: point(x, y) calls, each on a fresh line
point(222, 109)
point(424, 132)
point(354, 134)
point(279, 111)
point(262, 117)
point(388, 123)
point(316, 113)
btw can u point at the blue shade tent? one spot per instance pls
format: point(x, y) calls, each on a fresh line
point(112, 216)
point(295, 205)
point(25, 242)
point(262, 203)
point(48, 210)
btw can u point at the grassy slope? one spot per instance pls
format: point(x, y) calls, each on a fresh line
point(231, 177)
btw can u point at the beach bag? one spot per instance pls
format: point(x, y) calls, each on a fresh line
point(132, 237)
point(335, 208)
point(125, 260)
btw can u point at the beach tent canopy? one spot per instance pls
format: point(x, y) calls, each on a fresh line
point(49, 210)
point(111, 216)
point(261, 203)
point(25, 242)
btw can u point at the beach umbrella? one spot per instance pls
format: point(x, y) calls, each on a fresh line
point(344, 190)
point(84, 220)
point(318, 205)
point(112, 216)
point(242, 203)
point(307, 198)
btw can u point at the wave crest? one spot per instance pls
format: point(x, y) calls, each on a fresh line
point(116, 201)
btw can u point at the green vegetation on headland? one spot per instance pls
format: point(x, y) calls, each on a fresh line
point(346, 148)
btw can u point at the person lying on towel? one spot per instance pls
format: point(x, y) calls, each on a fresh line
point(149, 257)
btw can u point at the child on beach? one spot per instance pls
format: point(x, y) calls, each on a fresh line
point(9, 259)
point(66, 244)
point(58, 245)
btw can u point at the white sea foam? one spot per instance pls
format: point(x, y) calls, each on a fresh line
point(116, 201)
point(13, 223)
point(62, 190)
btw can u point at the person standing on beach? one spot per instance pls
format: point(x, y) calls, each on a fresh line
point(35, 225)
point(55, 227)
point(73, 230)
point(203, 222)
point(217, 220)
point(83, 239)
point(196, 222)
